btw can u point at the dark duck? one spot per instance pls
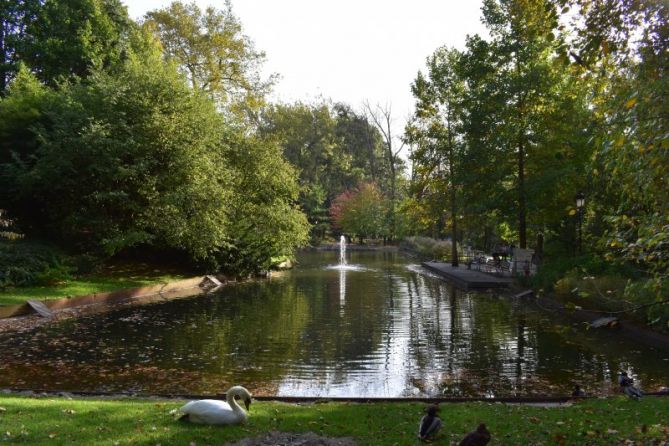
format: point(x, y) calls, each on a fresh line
point(480, 437)
point(429, 424)
point(627, 384)
point(577, 391)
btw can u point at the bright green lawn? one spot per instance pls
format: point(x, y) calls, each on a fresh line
point(59, 421)
point(111, 278)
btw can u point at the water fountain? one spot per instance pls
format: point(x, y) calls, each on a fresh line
point(343, 264)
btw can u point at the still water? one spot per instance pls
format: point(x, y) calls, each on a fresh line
point(383, 327)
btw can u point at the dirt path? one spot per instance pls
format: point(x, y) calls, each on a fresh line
point(275, 438)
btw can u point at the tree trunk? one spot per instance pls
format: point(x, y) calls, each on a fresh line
point(522, 211)
point(370, 149)
point(454, 211)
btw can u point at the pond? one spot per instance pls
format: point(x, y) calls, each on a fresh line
point(384, 327)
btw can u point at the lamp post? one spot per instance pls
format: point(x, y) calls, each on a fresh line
point(580, 202)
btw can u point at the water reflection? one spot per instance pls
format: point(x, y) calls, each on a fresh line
point(342, 291)
point(386, 328)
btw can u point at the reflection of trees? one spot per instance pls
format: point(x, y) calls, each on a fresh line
point(395, 332)
point(465, 343)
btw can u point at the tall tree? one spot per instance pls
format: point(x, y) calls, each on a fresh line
point(210, 48)
point(14, 18)
point(484, 182)
point(436, 129)
point(382, 118)
point(68, 38)
point(524, 42)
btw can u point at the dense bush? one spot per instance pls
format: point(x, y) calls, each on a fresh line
point(29, 263)
point(591, 282)
point(429, 248)
point(135, 158)
point(560, 268)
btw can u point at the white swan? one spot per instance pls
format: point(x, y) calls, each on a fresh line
point(218, 412)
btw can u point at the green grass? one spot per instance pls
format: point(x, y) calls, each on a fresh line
point(110, 278)
point(61, 421)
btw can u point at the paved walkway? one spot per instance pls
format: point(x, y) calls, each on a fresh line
point(467, 279)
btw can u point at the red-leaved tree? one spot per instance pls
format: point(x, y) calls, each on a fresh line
point(361, 212)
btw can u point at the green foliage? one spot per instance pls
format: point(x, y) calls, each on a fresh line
point(623, 47)
point(31, 263)
point(69, 38)
point(265, 222)
point(211, 51)
point(124, 160)
point(333, 149)
point(435, 132)
point(122, 152)
point(20, 109)
point(646, 291)
point(134, 157)
point(14, 17)
point(566, 270)
point(498, 127)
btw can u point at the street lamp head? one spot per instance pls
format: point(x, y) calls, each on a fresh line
point(580, 200)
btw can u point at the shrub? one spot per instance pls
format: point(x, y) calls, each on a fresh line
point(25, 263)
point(426, 247)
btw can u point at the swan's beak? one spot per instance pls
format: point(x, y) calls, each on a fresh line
point(247, 403)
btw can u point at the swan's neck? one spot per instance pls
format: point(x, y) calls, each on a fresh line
point(230, 397)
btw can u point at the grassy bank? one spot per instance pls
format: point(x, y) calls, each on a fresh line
point(60, 421)
point(110, 278)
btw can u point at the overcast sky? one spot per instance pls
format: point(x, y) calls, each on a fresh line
point(347, 50)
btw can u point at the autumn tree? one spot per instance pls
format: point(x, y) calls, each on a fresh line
point(360, 212)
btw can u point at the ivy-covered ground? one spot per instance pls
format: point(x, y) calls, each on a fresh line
point(60, 421)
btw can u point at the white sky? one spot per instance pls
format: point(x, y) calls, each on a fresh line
point(347, 50)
